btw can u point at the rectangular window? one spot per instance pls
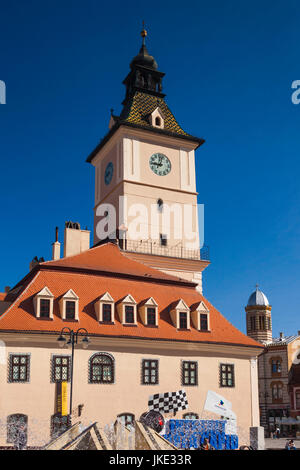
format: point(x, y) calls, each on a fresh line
point(163, 240)
point(262, 323)
point(203, 321)
point(151, 317)
point(129, 314)
point(70, 309)
point(297, 400)
point(227, 375)
point(149, 372)
point(19, 368)
point(61, 368)
point(183, 320)
point(252, 324)
point(189, 373)
point(44, 308)
point(106, 313)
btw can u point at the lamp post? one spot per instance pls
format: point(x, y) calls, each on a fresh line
point(73, 339)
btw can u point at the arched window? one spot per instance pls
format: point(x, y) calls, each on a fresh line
point(14, 424)
point(101, 369)
point(157, 121)
point(190, 416)
point(127, 419)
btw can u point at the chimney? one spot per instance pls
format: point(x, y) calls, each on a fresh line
point(76, 240)
point(33, 263)
point(298, 332)
point(6, 289)
point(281, 335)
point(56, 247)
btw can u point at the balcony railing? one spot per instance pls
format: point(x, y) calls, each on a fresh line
point(154, 248)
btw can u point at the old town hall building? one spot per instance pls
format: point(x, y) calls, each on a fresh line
point(135, 296)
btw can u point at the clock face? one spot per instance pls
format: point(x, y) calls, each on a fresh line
point(160, 164)
point(108, 173)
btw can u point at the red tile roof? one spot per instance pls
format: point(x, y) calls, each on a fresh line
point(91, 285)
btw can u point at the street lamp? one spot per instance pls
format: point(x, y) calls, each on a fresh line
point(73, 339)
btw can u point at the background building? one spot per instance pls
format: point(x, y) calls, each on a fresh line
point(278, 369)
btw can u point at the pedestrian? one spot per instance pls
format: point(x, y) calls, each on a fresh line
point(20, 440)
point(290, 445)
point(277, 432)
point(206, 445)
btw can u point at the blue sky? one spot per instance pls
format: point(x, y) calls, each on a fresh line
point(229, 68)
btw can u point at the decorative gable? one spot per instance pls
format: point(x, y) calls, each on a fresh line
point(43, 304)
point(157, 118)
point(200, 316)
point(105, 308)
point(179, 310)
point(146, 310)
point(122, 310)
point(69, 306)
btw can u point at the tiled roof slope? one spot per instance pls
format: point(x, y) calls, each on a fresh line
point(2, 295)
point(142, 105)
point(90, 286)
point(108, 258)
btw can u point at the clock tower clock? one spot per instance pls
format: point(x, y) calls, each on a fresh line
point(145, 188)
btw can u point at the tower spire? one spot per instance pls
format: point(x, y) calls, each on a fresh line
point(144, 33)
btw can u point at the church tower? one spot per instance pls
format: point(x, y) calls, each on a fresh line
point(258, 317)
point(145, 182)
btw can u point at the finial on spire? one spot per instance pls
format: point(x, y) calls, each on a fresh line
point(257, 286)
point(144, 33)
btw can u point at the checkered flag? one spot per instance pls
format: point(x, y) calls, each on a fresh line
point(169, 401)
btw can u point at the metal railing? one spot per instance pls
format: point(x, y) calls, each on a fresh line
point(155, 248)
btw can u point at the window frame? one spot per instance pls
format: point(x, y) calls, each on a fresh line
point(189, 369)
point(206, 320)
point(229, 369)
point(127, 422)
point(9, 438)
point(64, 426)
point(54, 366)
point(12, 365)
point(149, 368)
point(185, 320)
point(112, 365)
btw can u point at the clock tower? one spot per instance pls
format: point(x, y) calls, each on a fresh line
point(145, 188)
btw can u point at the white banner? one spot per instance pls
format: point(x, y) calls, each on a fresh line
point(217, 404)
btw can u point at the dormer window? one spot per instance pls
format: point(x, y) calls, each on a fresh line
point(129, 314)
point(157, 118)
point(44, 308)
point(180, 315)
point(126, 309)
point(183, 320)
point(148, 311)
point(200, 316)
point(69, 306)
point(43, 304)
point(105, 309)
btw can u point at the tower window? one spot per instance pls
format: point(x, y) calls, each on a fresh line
point(160, 205)
point(262, 322)
point(163, 240)
point(252, 324)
